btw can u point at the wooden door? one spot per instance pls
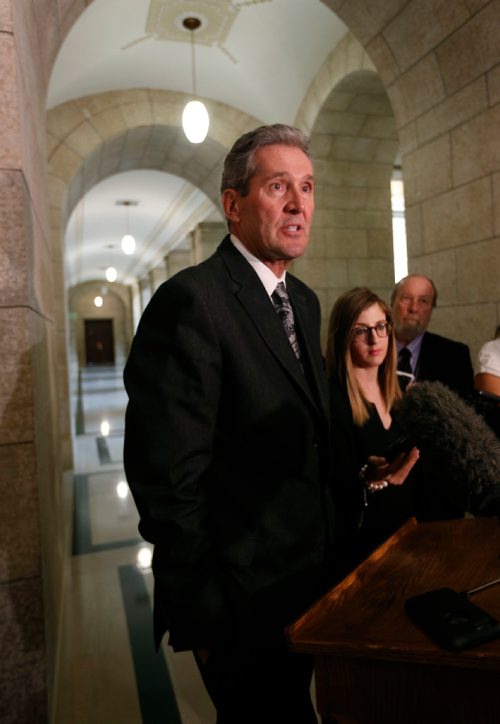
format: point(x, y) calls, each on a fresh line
point(99, 343)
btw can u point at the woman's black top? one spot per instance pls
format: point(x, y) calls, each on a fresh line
point(364, 520)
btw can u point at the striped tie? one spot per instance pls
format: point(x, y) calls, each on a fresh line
point(284, 309)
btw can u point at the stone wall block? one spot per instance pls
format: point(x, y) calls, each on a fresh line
point(383, 59)
point(16, 381)
point(83, 140)
point(64, 162)
point(472, 50)
point(365, 19)
point(493, 80)
point(476, 324)
point(347, 243)
point(373, 105)
point(421, 26)
point(380, 127)
point(414, 240)
point(10, 151)
point(451, 321)
point(427, 171)
point(371, 272)
point(329, 218)
point(32, 57)
point(452, 112)
point(441, 267)
point(342, 197)
point(94, 104)
point(312, 271)
point(5, 16)
point(408, 139)
point(111, 156)
point(458, 217)
point(14, 289)
point(339, 123)
point(496, 202)
point(20, 556)
point(368, 219)
point(109, 123)
point(137, 114)
point(475, 5)
point(379, 243)
point(65, 119)
point(23, 696)
point(473, 284)
point(476, 147)
point(418, 90)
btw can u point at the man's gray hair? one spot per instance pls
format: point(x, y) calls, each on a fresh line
point(401, 283)
point(240, 165)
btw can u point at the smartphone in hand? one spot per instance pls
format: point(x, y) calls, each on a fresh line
point(402, 445)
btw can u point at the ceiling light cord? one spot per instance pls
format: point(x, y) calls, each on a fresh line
point(193, 67)
point(195, 118)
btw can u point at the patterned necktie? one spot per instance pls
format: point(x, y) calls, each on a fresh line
point(404, 367)
point(284, 309)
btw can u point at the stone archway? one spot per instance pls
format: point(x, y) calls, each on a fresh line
point(439, 65)
point(91, 138)
point(354, 143)
point(117, 307)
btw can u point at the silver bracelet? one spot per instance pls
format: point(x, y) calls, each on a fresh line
point(362, 474)
point(372, 487)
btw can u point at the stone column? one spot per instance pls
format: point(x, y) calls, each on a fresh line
point(206, 238)
point(177, 260)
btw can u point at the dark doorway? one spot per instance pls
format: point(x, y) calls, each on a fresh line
point(99, 345)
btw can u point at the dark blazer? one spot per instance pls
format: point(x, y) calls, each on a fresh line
point(446, 361)
point(226, 454)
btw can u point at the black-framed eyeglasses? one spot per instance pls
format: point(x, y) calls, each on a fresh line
point(363, 332)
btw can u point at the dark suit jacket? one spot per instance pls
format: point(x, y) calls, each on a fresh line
point(226, 449)
point(446, 361)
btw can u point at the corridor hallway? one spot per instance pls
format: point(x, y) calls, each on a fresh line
point(109, 672)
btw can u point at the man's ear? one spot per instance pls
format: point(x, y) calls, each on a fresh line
point(230, 203)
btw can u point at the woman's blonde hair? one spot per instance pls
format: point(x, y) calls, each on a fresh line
point(345, 312)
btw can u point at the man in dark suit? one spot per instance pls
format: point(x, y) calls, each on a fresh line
point(422, 354)
point(226, 440)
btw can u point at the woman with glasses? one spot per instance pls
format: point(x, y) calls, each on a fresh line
point(373, 493)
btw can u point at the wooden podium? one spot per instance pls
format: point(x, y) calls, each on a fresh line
point(373, 665)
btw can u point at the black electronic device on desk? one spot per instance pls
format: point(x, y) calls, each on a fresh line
point(451, 619)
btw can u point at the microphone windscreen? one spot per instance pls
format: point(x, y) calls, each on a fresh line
point(448, 430)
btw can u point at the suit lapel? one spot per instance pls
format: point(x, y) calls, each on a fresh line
point(422, 371)
point(251, 294)
point(307, 327)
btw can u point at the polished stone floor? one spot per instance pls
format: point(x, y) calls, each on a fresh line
point(109, 672)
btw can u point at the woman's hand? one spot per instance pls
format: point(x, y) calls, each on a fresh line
point(379, 473)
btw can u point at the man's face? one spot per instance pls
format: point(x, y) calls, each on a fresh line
point(273, 220)
point(412, 308)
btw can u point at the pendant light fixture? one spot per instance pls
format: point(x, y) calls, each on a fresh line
point(128, 241)
point(111, 273)
point(195, 120)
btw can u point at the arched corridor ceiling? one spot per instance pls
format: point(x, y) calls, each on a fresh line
point(258, 56)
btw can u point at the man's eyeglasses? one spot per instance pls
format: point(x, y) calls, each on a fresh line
point(363, 333)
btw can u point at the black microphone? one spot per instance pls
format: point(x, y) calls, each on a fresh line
point(457, 447)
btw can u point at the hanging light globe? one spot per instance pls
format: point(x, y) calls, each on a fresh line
point(195, 121)
point(128, 244)
point(111, 274)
